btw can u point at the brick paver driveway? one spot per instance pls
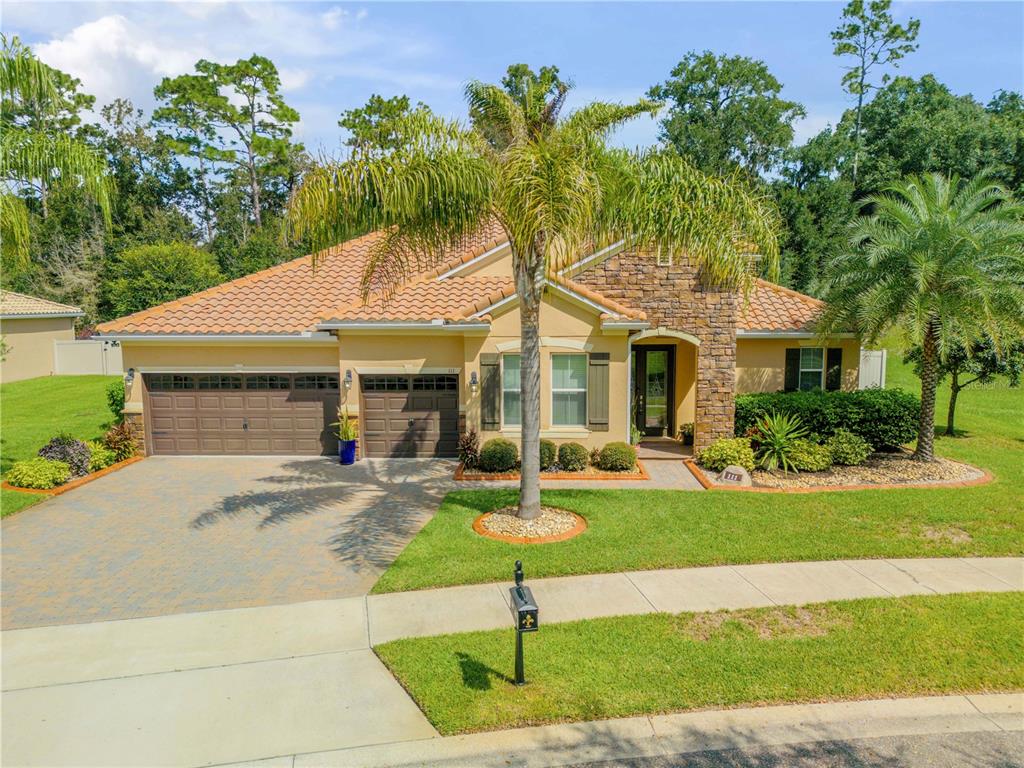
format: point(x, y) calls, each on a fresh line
point(182, 534)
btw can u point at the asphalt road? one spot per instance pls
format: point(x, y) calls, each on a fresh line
point(954, 750)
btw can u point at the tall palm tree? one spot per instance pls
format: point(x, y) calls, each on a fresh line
point(27, 155)
point(942, 260)
point(554, 185)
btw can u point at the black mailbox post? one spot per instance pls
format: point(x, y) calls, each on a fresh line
point(525, 613)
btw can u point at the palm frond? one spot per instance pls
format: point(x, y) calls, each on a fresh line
point(14, 232)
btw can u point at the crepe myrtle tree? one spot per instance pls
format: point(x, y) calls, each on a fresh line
point(553, 184)
point(942, 261)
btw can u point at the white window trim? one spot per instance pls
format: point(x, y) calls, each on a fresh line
point(800, 377)
point(665, 257)
point(575, 390)
point(519, 389)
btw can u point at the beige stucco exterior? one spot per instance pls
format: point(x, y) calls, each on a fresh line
point(761, 363)
point(30, 350)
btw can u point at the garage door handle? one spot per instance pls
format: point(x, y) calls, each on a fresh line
point(412, 422)
point(245, 425)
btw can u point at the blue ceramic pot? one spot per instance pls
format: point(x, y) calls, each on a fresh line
point(347, 451)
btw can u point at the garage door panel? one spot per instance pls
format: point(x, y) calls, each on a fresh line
point(421, 422)
point(241, 421)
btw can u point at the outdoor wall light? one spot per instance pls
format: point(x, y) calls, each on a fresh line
point(474, 383)
point(348, 379)
point(129, 377)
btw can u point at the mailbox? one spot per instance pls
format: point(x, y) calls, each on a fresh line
point(524, 609)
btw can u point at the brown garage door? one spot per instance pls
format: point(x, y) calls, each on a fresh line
point(241, 413)
point(407, 416)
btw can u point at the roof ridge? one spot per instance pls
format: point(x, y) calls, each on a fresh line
point(495, 296)
point(214, 290)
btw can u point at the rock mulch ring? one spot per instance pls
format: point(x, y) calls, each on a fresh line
point(553, 525)
point(882, 469)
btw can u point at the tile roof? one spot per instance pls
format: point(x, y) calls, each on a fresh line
point(773, 308)
point(289, 298)
point(14, 304)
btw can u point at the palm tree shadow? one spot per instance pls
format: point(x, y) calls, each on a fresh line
point(476, 674)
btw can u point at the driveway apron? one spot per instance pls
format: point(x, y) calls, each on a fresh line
point(184, 534)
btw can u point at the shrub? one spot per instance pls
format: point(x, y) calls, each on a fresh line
point(39, 473)
point(548, 454)
point(100, 457)
point(595, 457)
point(617, 457)
point(469, 449)
point(731, 450)
point(847, 448)
point(572, 457)
point(686, 433)
point(72, 452)
point(120, 438)
point(885, 418)
point(115, 400)
point(499, 455)
point(775, 436)
point(807, 456)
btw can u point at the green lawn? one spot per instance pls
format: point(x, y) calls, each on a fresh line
point(634, 530)
point(617, 667)
point(34, 410)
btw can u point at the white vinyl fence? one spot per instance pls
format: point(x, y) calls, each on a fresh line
point(79, 358)
point(872, 368)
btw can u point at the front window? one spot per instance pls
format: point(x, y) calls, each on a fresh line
point(812, 368)
point(569, 390)
point(511, 400)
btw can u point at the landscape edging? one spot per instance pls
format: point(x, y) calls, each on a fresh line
point(704, 480)
point(72, 484)
point(576, 530)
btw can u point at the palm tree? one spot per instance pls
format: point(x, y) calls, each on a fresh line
point(942, 260)
point(27, 154)
point(553, 184)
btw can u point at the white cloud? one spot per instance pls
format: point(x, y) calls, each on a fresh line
point(294, 79)
point(810, 126)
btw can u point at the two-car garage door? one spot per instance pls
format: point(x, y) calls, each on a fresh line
point(280, 413)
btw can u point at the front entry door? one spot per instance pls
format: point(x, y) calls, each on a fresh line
point(653, 390)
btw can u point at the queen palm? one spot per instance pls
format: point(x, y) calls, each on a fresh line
point(28, 154)
point(555, 187)
point(942, 261)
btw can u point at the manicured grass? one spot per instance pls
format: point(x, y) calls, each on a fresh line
point(617, 667)
point(635, 530)
point(34, 410)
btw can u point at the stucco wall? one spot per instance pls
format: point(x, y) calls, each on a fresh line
point(30, 345)
point(761, 363)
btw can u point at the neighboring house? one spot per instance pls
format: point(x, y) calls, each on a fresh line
point(261, 364)
point(30, 328)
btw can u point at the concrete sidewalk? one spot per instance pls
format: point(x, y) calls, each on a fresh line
point(244, 684)
point(484, 606)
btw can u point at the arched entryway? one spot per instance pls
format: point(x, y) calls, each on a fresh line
point(663, 375)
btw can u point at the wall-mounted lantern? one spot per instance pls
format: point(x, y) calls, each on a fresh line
point(474, 383)
point(129, 377)
point(347, 382)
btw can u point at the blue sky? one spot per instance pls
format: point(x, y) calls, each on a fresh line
point(334, 55)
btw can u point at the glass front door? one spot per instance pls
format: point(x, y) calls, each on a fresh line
point(653, 395)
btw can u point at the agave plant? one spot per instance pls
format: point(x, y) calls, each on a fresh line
point(776, 434)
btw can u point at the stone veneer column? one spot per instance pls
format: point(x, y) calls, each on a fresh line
point(675, 298)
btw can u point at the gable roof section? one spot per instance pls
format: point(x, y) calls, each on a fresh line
point(775, 309)
point(288, 299)
point(19, 305)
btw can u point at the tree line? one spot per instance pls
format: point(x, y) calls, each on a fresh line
point(197, 191)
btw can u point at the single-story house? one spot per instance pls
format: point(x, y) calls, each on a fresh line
point(29, 327)
point(261, 364)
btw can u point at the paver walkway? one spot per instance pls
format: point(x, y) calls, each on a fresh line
point(177, 534)
point(234, 685)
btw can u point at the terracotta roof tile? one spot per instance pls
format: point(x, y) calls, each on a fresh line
point(13, 304)
point(775, 308)
point(426, 300)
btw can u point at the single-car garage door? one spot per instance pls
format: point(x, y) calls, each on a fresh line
point(227, 413)
point(410, 416)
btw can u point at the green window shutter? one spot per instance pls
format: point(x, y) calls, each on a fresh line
point(792, 380)
point(834, 368)
point(490, 392)
point(597, 392)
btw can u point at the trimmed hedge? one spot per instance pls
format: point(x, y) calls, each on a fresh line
point(39, 473)
point(847, 448)
point(885, 418)
point(572, 457)
point(499, 455)
point(617, 457)
point(548, 454)
point(732, 450)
